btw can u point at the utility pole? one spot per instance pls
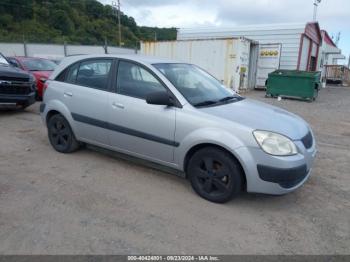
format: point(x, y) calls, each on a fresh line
point(316, 3)
point(337, 39)
point(105, 47)
point(116, 5)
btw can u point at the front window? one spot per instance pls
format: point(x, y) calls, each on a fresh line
point(34, 64)
point(3, 60)
point(196, 85)
point(135, 81)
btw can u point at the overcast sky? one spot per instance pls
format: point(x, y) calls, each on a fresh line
point(333, 15)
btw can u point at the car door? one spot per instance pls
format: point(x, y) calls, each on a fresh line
point(135, 126)
point(85, 92)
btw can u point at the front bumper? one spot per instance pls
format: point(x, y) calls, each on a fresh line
point(17, 100)
point(285, 177)
point(274, 174)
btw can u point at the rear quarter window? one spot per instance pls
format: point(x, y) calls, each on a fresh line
point(68, 75)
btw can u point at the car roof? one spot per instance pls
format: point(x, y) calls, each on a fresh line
point(149, 60)
point(134, 57)
point(27, 57)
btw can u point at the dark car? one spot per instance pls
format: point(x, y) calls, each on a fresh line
point(41, 69)
point(17, 87)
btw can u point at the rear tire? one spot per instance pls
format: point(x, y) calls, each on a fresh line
point(61, 135)
point(215, 175)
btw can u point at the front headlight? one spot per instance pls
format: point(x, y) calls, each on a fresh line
point(275, 144)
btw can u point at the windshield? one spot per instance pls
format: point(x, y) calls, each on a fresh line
point(3, 60)
point(39, 65)
point(196, 85)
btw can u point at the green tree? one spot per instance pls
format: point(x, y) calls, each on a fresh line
point(61, 21)
point(75, 21)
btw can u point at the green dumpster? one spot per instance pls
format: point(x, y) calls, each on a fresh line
point(293, 83)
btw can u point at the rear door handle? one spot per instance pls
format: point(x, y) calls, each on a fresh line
point(68, 94)
point(117, 105)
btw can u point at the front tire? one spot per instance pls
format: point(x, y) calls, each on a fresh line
point(215, 175)
point(61, 135)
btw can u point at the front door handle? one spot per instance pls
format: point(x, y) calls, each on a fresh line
point(117, 105)
point(68, 94)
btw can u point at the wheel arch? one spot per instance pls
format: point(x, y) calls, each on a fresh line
point(50, 114)
point(57, 107)
point(200, 146)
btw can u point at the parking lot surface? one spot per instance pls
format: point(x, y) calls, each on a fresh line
point(90, 202)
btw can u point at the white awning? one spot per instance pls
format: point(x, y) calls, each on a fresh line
point(338, 56)
point(329, 49)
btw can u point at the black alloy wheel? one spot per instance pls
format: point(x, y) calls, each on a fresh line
point(61, 135)
point(215, 175)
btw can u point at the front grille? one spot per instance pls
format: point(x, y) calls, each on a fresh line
point(16, 88)
point(15, 79)
point(307, 140)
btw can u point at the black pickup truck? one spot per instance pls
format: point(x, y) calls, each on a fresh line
point(17, 87)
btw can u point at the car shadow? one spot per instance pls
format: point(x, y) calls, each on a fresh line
point(15, 111)
point(134, 160)
point(244, 199)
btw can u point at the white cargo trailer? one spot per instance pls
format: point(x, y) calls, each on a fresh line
point(283, 46)
point(233, 61)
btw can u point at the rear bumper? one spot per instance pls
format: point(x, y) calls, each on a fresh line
point(15, 100)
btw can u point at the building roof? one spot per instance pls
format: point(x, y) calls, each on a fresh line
point(249, 28)
point(245, 28)
point(313, 31)
point(327, 38)
point(256, 32)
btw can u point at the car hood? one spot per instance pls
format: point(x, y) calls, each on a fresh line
point(13, 72)
point(258, 115)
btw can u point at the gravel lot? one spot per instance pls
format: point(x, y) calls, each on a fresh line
point(95, 203)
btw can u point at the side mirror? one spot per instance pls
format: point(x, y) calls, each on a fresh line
point(160, 98)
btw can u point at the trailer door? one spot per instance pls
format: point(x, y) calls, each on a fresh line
point(253, 65)
point(269, 61)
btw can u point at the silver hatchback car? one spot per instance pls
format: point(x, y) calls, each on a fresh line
point(177, 115)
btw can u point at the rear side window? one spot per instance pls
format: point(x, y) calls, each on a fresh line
point(93, 73)
point(134, 80)
point(61, 77)
point(71, 74)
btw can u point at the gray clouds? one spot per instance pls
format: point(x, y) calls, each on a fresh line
point(333, 15)
point(235, 12)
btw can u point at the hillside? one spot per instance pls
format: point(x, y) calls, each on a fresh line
point(73, 21)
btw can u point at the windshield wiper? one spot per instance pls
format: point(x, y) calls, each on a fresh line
point(222, 100)
point(206, 103)
point(227, 98)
